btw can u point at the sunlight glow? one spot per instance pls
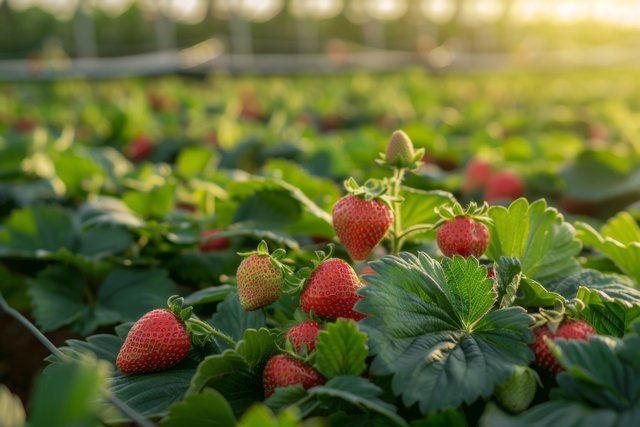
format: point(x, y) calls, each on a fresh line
point(386, 10)
point(250, 10)
point(315, 9)
point(438, 11)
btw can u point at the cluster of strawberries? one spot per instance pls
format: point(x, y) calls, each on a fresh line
point(328, 291)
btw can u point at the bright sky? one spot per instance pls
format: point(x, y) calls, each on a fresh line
point(617, 12)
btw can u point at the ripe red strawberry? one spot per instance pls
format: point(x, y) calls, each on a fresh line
point(283, 370)
point(491, 273)
point(158, 340)
point(463, 236)
point(476, 175)
point(210, 244)
point(139, 149)
point(504, 185)
point(260, 282)
point(304, 334)
point(360, 224)
point(569, 330)
point(331, 291)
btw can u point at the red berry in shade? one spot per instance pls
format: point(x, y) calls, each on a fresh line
point(476, 175)
point(331, 291)
point(366, 270)
point(463, 236)
point(569, 330)
point(139, 149)
point(504, 185)
point(304, 335)
point(491, 273)
point(283, 370)
point(360, 224)
point(259, 282)
point(158, 340)
point(211, 244)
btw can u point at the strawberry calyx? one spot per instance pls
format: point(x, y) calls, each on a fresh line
point(199, 331)
point(449, 212)
point(295, 283)
point(373, 189)
point(554, 317)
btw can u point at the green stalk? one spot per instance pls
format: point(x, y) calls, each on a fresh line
point(123, 407)
point(213, 331)
point(396, 233)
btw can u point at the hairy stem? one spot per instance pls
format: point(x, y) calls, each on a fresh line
point(213, 331)
point(396, 240)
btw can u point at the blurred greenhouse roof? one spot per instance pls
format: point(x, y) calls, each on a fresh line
point(42, 39)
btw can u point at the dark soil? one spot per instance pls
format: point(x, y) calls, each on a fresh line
point(22, 356)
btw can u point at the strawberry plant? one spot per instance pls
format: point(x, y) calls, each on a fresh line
point(403, 299)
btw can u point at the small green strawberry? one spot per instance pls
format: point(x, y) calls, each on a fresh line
point(517, 393)
point(400, 152)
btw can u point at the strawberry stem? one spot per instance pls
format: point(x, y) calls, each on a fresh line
point(396, 234)
point(212, 331)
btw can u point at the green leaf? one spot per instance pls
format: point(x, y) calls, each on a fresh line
point(418, 208)
point(237, 373)
point(193, 161)
point(57, 297)
point(206, 409)
point(260, 415)
point(39, 228)
point(79, 173)
point(293, 395)
point(208, 295)
point(446, 418)
point(625, 256)
point(154, 203)
point(432, 327)
point(132, 293)
point(533, 294)
point(104, 210)
point(342, 349)
point(537, 236)
point(623, 228)
point(233, 320)
point(104, 240)
point(602, 175)
point(360, 393)
point(607, 315)
point(508, 275)
point(70, 393)
point(613, 285)
point(152, 394)
point(11, 408)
